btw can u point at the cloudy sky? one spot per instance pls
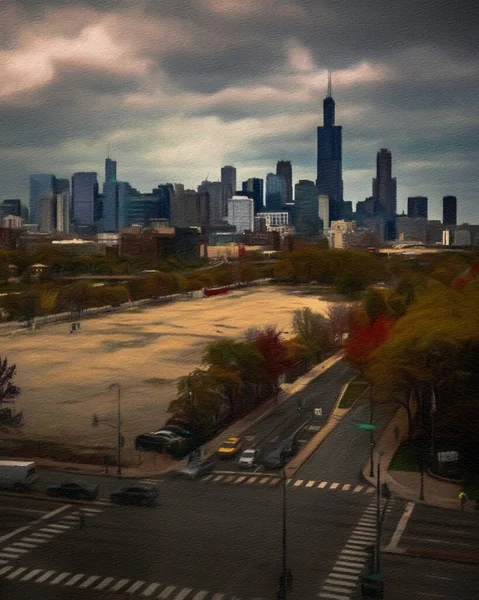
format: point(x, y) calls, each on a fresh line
point(179, 88)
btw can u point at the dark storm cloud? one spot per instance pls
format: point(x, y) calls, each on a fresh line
point(240, 81)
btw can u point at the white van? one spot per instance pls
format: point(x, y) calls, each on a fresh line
point(16, 474)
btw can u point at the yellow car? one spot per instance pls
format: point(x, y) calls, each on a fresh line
point(230, 447)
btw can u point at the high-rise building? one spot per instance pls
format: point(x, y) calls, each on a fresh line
point(449, 211)
point(306, 201)
point(110, 197)
point(329, 158)
point(241, 213)
point(324, 210)
point(185, 209)
point(12, 207)
point(42, 185)
point(417, 207)
point(62, 207)
point(254, 188)
point(275, 192)
point(47, 214)
point(228, 179)
point(165, 193)
point(85, 198)
point(283, 169)
point(384, 192)
point(215, 190)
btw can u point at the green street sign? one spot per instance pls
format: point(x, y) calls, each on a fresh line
point(366, 426)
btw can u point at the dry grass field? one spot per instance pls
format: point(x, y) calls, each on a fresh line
point(65, 377)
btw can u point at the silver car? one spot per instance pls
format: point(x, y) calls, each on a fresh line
point(248, 458)
point(196, 469)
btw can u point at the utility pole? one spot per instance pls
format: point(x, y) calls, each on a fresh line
point(371, 432)
point(119, 441)
point(286, 577)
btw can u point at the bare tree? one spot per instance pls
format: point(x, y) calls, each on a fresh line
point(339, 315)
point(9, 418)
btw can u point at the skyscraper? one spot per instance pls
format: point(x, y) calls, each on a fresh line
point(228, 179)
point(110, 197)
point(215, 189)
point(283, 169)
point(307, 208)
point(384, 192)
point(275, 186)
point(42, 185)
point(417, 207)
point(449, 211)
point(254, 188)
point(12, 206)
point(110, 170)
point(63, 205)
point(241, 213)
point(329, 158)
point(85, 198)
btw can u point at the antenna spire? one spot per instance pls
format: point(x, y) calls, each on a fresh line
point(108, 150)
point(329, 85)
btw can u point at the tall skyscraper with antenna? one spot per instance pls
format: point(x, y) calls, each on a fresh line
point(329, 180)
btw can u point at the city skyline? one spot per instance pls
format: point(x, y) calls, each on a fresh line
point(173, 110)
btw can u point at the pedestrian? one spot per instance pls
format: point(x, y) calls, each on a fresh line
point(81, 519)
point(462, 499)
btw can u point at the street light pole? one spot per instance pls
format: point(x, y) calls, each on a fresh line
point(285, 580)
point(371, 433)
point(378, 515)
point(118, 428)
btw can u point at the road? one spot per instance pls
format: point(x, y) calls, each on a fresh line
point(202, 542)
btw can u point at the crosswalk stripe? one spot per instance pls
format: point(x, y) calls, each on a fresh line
point(59, 578)
point(310, 483)
point(49, 530)
point(3, 562)
point(252, 480)
point(37, 540)
point(31, 575)
point(134, 587)
point(358, 488)
point(8, 555)
point(119, 584)
point(334, 486)
point(207, 477)
point(240, 479)
point(61, 527)
point(167, 591)
point(45, 536)
point(102, 585)
point(350, 558)
point(298, 482)
point(344, 576)
point(330, 588)
point(17, 550)
point(229, 478)
point(346, 487)
point(17, 572)
point(89, 581)
point(350, 562)
point(6, 569)
point(218, 597)
point(352, 543)
point(25, 545)
point(45, 576)
point(346, 569)
point(354, 552)
point(368, 528)
point(274, 480)
point(92, 510)
point(367, 521)
point(370, 490)
point(323, 484)
point(264, 479)
point(74, 579)
point(182, 595)
point(200, 595)
point(334, 596)
point(218, 478)
point(150, 589)
point(331, 580)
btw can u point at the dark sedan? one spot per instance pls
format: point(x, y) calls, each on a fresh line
point(141, 495)
point(277, 457)
point(74, 490)
point(156, 440)
point(196, 469)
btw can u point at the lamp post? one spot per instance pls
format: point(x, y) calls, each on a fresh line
point(378, 516)
point(371, 435)
point(118, 428)
point(286, 578)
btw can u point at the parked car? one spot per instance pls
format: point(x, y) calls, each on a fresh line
point(141, 495)
point(196, 469)
point(156, 440)
point(277, 457)
point(248, 458)
point(179, 431)
point(230, 447)
point(74, 490)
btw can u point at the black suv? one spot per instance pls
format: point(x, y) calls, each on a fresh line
point(136, 494)
point(277, 458)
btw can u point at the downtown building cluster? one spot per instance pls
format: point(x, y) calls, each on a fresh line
point(220, 210)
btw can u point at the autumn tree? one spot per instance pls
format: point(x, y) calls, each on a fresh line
point(9, 417)
point(313, 331)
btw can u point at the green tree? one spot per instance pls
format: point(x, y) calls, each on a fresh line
point(313, 330)
point(9, 417)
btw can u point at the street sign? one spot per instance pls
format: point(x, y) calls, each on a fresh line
point(366, 426)
point(451, 456)
point(318, 412)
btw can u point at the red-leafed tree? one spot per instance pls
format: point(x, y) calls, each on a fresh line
point(269, 344)
point(365, 338)
point(461, 281)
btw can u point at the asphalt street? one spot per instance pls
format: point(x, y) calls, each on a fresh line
point(343, 453)
point(286, 419)
point(216, 539)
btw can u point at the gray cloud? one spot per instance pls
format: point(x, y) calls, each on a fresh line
point(179, 89)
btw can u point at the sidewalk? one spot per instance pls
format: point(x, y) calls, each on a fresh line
point(154, 465)
point(406, 484)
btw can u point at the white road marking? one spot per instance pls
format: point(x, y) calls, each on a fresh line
point(334, 486)
point(5, 569)
point(45, 576)
point(331, 580)
point(119, 584)
point(134, 587)
point(330, 588)
point(393, 544)
point(74, 579)
point(150, 589)
point(274, 481)
point(102, 585)
point(200, 595)
point(264, 479)
point(167, 591)
point(358, 488)
point(310, 484)
point(323, 484)
point(18, 550)
point(333, 596)
point(252, 480)
point(7, 555)
point(298, 482)
point(60, 527)
point(218, 597)
point(17, 572)
point(25, 545)
point(347, 569)
point(31, 575)
point(182, 595)
point(206, 478)
point(346, 487)
point(370, 490)
point(89, 581)
point(240, 479)
point(59, 578)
